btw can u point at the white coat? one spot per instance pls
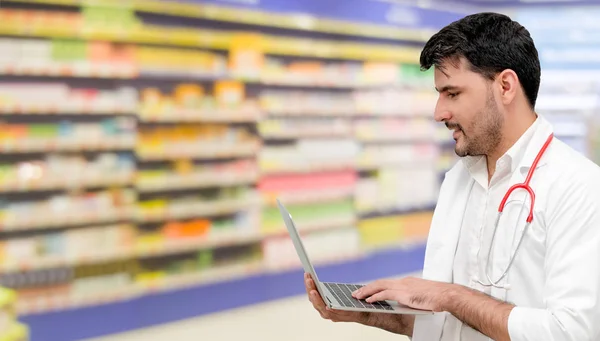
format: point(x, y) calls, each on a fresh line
point(562, 245)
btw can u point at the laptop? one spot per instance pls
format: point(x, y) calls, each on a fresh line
point(338, 296)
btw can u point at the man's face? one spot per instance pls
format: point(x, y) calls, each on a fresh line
point(467, 105)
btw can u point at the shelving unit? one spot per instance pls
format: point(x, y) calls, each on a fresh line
point(154, 154)
point(10, 328)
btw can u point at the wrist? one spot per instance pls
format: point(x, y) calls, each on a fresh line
point(368, 319)
point(449, 296)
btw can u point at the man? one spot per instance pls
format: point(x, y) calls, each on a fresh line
point(538, 281)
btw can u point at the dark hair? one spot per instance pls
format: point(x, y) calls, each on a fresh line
point(492, 43)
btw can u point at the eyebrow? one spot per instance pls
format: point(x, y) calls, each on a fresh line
point(447, 88)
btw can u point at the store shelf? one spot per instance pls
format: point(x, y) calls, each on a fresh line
point(36, 222)
point(199, 151)
point(306, 134)
point(376, 165)
point(205, 38)
point(256, 17)
point(68, 144)
point(195, 210)
point(236, 115)
point(94, 320)
point(233, 237)
point(193, 180)
point(71, 110)
point(395, 211)
point(67, 70)
point(308, 197)
point(96, 256)
point(395, 138)
point(16, 332)
point(285, 168)
point(71, 183)
point(305, 227)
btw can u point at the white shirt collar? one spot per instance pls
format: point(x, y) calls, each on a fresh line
point(508, 163)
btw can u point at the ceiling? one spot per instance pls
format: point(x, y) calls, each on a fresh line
point(527, 2)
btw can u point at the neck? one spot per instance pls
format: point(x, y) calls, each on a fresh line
point(512, 131)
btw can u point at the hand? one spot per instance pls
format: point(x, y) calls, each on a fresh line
point(331, 314)
point(413, 292)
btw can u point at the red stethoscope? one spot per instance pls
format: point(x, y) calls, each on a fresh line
point(525, 185)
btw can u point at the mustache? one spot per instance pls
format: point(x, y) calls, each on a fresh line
point(453, 126)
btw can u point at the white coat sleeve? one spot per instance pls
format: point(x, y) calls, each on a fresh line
point(572, 268)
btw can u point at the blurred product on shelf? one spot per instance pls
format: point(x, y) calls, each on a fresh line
point(189, 103)
point(59, 98)
point(394, 231)
point(170, 62)
point(208, 202)
point(185, 174)
point(67, 172)
point(10, 328)
point(307, 104)
point(309, 155)
point(375, 156)
point(57, 211)
point(195, 141)
point(413, 130)
point(379, 194)
point(312, 216)
point(288, 128)
point(108, 134)
point(68, 248)
point(405, 101)
point(339, 245)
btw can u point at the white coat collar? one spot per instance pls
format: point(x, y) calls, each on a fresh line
point(522, 154)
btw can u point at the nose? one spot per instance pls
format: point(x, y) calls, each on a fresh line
point(441, 113)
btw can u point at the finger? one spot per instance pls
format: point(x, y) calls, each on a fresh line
point(318, 304)
point(370, 289)
point(382, 296)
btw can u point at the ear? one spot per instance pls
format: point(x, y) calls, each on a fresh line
point(509, 85)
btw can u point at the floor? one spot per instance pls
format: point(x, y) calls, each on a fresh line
point(291, 319)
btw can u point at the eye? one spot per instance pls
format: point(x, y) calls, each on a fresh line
point(452, 94)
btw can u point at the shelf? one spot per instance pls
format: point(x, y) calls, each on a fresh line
point(196, 210)
point(35, 222)
point(308, 197)
point(68, 70)
point(173, 247)
point(16, 332)
point(33, 109)
point(55, 262)
point(285, 168)
point(235, 115)
point(102, 72)
point(213, 39)
point(71, 324)
point(395, 164)
point(68, 183)
point(317, 226)
point(199, 151)
point(399, 139)
point(306, 134)
point(193, 180)
point(56, 145)
point(256, 17)
point(395, 211)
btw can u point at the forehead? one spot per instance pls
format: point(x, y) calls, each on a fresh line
point(455, 72)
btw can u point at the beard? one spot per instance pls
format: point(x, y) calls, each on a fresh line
point(485, 134)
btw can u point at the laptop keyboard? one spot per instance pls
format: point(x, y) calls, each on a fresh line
point(343, 293)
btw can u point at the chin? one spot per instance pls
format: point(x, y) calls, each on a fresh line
point(460, 150)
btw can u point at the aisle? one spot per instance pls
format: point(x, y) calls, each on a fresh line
point(291, 319)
